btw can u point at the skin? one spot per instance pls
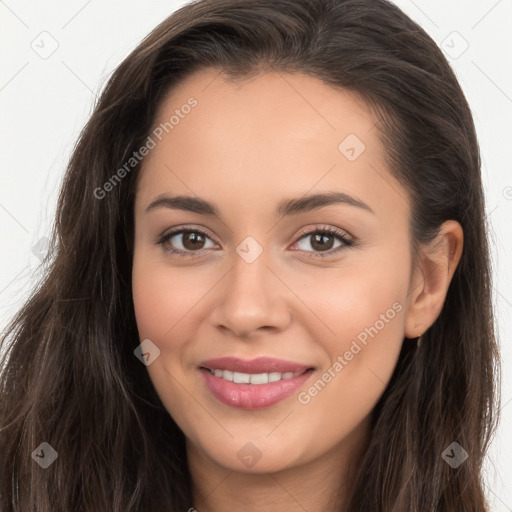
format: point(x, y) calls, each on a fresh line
point(245, 147)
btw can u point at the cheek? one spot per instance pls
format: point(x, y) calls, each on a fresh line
point(162, 300)
point(359, 320)
point(151, 301)
point(164, 297)
point(366, 310)
point(165, 302)
point(353, 303)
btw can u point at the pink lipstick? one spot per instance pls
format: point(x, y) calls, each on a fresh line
point(253, 384)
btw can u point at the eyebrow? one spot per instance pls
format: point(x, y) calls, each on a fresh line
point(285, 208)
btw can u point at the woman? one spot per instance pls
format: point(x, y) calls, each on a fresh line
point(270, 281)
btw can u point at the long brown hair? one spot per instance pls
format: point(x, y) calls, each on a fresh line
point(70, 377)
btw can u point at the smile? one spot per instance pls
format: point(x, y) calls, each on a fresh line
point(252, 391)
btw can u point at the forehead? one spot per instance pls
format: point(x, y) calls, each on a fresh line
point(273, 135)
point(271, 107)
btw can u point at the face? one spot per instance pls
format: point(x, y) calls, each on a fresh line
point(323, 288)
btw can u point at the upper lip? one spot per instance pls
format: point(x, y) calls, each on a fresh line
point(258, 365)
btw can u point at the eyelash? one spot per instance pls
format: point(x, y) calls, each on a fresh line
point(346, 242)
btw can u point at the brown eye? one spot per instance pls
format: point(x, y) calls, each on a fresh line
point(193, 240)
point(185, 242)
point(323, 240)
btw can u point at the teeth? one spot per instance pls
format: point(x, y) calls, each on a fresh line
point(253, 378)
point(241, 378)
point(259, 378)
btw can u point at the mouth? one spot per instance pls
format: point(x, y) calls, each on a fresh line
point(253, 384)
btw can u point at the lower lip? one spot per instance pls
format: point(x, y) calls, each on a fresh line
point(252, 396)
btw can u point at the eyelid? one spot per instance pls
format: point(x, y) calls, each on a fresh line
point(185, 227)
point(325, 227)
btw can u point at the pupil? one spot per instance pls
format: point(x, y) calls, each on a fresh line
point(317, 239)
point(194, 238)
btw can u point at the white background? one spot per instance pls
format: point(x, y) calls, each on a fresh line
point(44, 102)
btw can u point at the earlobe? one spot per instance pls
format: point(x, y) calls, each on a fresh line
point(428, 290)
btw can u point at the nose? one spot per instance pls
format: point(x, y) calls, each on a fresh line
point(251, 298)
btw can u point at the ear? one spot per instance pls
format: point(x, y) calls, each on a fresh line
point(432, 277)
